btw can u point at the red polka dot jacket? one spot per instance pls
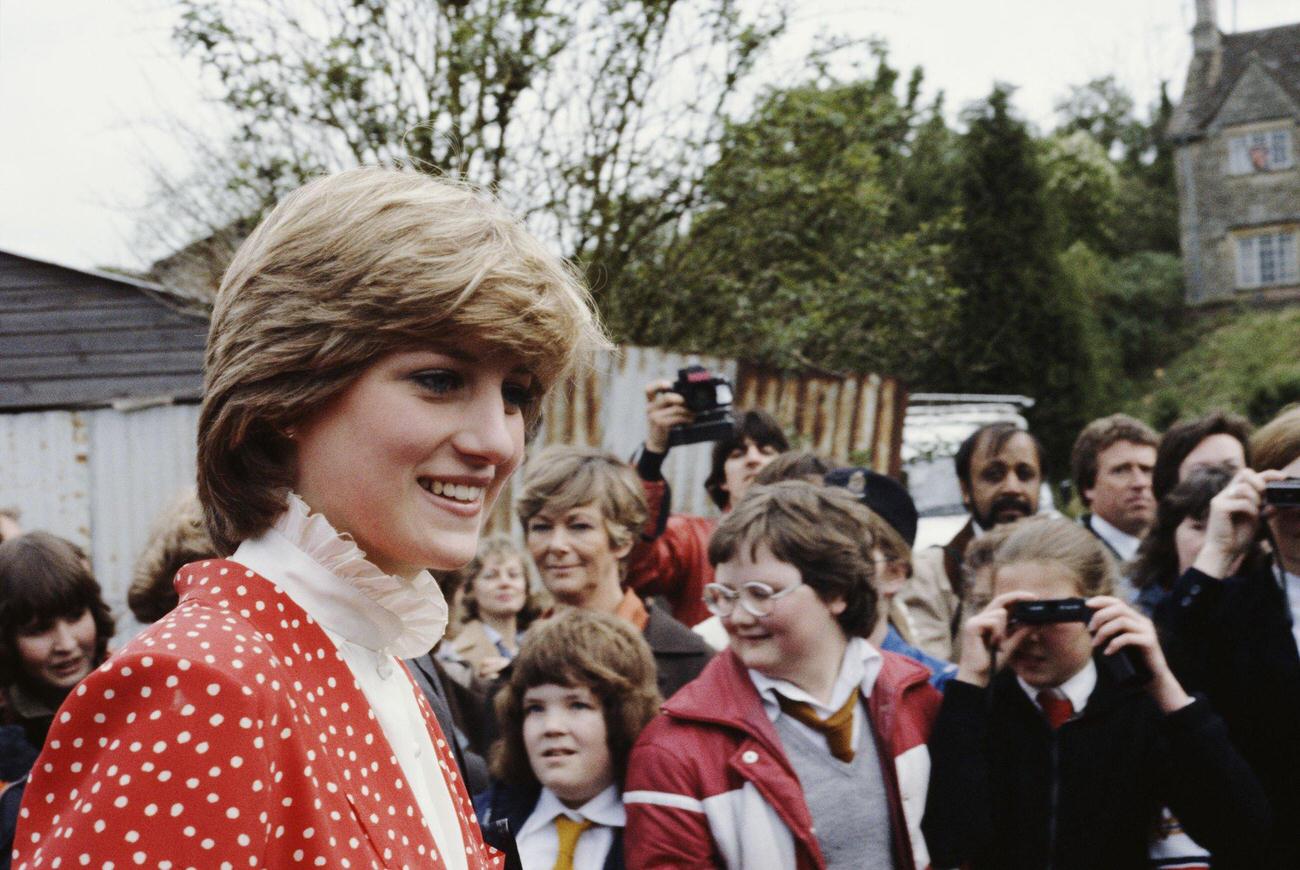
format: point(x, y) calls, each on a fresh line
point(229, 734)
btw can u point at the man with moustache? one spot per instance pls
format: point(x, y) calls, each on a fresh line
point(1112, 462)
point(1000, 470)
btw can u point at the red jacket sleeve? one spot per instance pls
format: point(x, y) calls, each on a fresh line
point(672, 557)
point(666, 825)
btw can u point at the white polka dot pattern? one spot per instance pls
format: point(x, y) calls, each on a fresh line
point(229, 734)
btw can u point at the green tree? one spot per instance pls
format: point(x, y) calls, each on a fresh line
point(1024, 327)
point(593, 117)
point(1103, 109)
point(1140, 210)
point(795, 256)
point(1082, 187)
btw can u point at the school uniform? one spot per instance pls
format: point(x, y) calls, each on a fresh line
point(1010, 791)
point(531, 834)
point(725, 777)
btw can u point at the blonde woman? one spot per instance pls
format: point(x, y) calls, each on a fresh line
point(582, 510)
point(499, 605)
point(377, 353)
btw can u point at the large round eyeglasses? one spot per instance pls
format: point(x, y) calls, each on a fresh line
point(758, 599)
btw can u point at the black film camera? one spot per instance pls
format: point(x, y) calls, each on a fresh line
point(709, 397)
point(1126, 667)
point(1283, 493)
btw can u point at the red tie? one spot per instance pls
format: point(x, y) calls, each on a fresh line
point(1057, 709)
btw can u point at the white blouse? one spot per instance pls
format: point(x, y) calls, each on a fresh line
point(374, 619)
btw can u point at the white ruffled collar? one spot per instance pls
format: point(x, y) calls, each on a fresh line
point(328, 575)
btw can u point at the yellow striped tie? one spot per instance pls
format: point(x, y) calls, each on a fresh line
point(569, 832)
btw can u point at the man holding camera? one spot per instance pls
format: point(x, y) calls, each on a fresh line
point(671, 558)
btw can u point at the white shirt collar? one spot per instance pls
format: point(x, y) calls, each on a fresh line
point(1124, 544)
point(859, 668)
point(327, 574)
point(1078, 688)
point(605, 809)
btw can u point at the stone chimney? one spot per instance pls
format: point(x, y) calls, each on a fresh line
point(1207, 42)
point(1206, 38)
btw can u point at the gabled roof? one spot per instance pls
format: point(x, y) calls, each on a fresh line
point(1276, 50)
point(72, 338)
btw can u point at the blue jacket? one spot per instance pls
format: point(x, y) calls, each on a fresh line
point(941, 672)
point(10, 801)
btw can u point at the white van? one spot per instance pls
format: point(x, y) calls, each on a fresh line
point(935, 426)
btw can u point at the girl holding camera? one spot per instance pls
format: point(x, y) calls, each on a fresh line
point(1053, 761)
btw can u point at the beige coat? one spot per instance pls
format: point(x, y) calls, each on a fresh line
point(473, 645)
point(932, 595)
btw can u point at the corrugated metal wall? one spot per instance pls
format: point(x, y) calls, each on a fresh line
point(851, 419)
point(100, 477)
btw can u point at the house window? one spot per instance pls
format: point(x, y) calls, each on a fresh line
point(1260, 151)
point(1265, 259)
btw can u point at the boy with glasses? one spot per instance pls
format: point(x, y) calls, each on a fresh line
point(801, 745)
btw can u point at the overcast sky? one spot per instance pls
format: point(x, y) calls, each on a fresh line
point(87, 88)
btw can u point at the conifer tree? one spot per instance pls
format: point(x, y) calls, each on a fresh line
point(1024, 329)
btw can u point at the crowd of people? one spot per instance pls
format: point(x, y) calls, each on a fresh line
point(338, 670)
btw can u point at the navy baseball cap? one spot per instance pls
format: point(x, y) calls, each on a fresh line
point(884, 495)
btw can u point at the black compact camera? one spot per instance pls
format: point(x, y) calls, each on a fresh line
point(1126, 667)
point(1051, 610)
point(709, 397)
point(1283, 493)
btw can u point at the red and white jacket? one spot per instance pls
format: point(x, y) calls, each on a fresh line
point(671, 557)
point(709, 785)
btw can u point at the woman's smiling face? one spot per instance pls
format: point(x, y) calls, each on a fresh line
point(410, 458)
point(59, 653)
point(574, 554)
point(501, 588)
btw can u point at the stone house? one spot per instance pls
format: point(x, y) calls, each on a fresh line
point(1237, 165)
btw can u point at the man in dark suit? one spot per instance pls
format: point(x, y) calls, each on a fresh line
point(1112, 463)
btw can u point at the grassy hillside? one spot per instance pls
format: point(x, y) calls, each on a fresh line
point(1248, 362)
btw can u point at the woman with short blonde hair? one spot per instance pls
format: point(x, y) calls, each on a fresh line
point(378, 352)
point(564, 476)
point(500, 600)
point(582, 510)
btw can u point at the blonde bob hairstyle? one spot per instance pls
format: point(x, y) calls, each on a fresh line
point(1064, 542)
point(565, 476)
point(344, 271)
